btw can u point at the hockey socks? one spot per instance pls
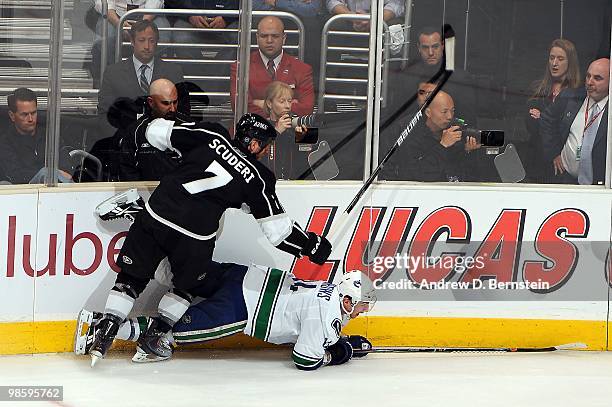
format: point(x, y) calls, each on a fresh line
point(131, 329)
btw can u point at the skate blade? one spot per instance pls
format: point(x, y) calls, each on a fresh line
point(84, 320)
point(142, 357)
point(94, 359)
point(131, 195)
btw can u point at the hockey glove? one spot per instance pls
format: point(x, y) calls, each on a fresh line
point(317, 248)
point(340, 352)
point(360, 344)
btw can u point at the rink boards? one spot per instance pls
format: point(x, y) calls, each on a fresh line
point(551, 272)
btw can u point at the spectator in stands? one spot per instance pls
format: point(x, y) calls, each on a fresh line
point(391, 10)
point(301, 8)
point(269, 63)
point(131, 78)
point(310, 13)
point(139, 160)
point(116, 10)
point(431, 49)
point(574, 129)
point(23, 144)
point(284, 158)
point(206, 23)
point(424, 90)
point(435, 150)
point(562, 71)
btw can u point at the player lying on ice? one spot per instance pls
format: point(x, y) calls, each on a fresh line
point(181, 219)
point(265, 303)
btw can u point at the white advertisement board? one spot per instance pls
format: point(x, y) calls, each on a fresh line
point(556, 237)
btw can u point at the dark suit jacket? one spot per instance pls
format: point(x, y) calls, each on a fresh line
point(423, 158)
point(120, 81)
point(555, 124)
point(291, 70)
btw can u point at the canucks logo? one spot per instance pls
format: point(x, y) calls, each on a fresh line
point(337, 326)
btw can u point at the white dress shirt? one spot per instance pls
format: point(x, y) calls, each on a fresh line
point(138, 64)
point(569, 156)
point(277, 60)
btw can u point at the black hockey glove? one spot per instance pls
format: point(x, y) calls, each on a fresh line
point(317, 248)
point(360, 344)
point(340, 352)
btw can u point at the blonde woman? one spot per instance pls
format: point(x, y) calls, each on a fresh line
point(277, 107)
point(562, 71)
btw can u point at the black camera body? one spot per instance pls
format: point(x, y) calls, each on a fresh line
point(311, 122)
point(488, 138)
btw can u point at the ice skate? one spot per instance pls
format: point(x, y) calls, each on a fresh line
point(124, 205)
point(106, 330)
point(85, 331)
point(154, 345)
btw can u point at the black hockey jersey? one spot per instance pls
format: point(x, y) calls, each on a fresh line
point(140, 161)
point(213, 176)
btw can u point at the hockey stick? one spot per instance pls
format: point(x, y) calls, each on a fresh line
point(408, 349)
point(446, 70)
point(336, 117)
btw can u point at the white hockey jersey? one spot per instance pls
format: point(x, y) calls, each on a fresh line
point(283, 309)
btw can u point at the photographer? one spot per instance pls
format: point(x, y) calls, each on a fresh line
point(435, 151)
point(285, 159)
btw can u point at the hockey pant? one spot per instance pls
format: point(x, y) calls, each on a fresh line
point(149, 241)
point(222, 313)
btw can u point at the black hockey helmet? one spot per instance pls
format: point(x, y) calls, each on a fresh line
point(253, 126)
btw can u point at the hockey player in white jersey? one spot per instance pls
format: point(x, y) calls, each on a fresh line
point(265, 303)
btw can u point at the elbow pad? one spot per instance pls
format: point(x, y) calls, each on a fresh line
point(158, 133)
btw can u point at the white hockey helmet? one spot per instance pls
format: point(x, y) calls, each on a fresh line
point(358, 287)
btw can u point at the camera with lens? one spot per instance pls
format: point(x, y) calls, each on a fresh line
point(488, 138)
point(309, 122)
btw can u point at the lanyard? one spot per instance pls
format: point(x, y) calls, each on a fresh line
point(586, 126)
point(586, 116)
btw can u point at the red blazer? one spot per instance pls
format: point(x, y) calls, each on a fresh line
point(291, 70)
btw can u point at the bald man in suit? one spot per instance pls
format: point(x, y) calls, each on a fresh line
point(574, 129)
point(269, 63)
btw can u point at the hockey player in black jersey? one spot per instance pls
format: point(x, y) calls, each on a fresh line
point(182, 217)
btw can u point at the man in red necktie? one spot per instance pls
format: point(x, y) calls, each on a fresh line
point(270, 63)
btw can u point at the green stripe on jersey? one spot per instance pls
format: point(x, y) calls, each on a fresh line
point(208, 334)
point(265, 308)
point(304, 361)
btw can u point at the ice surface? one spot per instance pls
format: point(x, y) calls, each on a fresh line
point(268, 378)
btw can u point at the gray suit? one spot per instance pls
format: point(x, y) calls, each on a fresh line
point(120, 81)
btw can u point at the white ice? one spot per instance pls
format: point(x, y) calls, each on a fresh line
point(268, 378)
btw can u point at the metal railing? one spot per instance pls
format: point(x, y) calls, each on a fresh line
point(35, 4)
point(324, 63)
point(203, 12)
point(298, 48)
point(31, 28)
